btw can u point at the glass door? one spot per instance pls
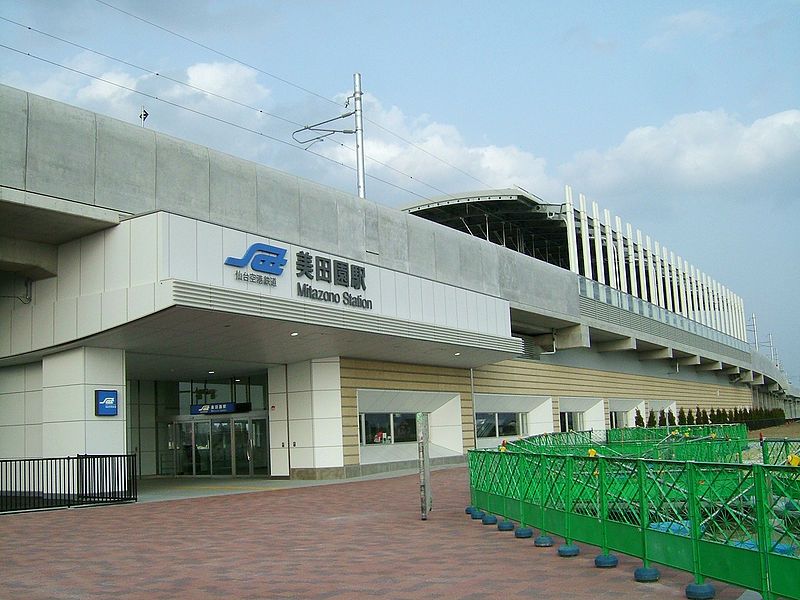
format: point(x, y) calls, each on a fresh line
point(221, 448)
point(242, 447)
point(202, 454)
point(185, 449)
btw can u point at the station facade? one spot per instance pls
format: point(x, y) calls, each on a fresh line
point(218, 317)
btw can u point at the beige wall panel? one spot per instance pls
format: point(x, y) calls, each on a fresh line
point(522, 376)
point(363, 374)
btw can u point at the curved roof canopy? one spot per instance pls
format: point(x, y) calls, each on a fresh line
point(512, 218)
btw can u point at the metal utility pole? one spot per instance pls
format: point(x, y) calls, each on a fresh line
point(755, 332)
point(359, 135)
point(324, 132)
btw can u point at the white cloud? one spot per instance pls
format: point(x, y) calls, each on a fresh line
point(101, 91)
point(439, 157)
point(691, 23)
point(231, 80)
point(695, 153)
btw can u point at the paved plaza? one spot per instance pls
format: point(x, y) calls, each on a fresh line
point(360, 539)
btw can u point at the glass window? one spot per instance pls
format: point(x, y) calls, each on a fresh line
point(405, 427)
point(507, 424)
point(258, 392)
point(376, 428)
point(486, 425)
point(571, 421)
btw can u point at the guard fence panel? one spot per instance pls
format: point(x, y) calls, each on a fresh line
point(41, 483)
point(730, 522)
point(781, 451)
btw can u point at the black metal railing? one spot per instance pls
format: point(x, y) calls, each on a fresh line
point(42, 483)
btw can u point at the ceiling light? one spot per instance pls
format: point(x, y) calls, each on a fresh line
point(294, 334)
point(457, 354)
point(211, 372)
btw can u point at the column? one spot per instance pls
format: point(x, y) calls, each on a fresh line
point(632, 261)
point(69, 382)
point(598, 244)
point(314, 417)
point(572, 238)
point(642, 268)
point(623, 277)
point(587, 256)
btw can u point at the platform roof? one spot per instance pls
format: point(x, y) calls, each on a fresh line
point(513, 218)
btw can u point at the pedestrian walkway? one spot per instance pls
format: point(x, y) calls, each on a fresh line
point(359, 539)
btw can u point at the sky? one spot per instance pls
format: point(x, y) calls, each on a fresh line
point(682, 118)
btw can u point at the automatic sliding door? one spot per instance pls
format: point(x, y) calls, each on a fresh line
point(221, 448)
point(241, 440)
point(202, 448)
point(185, 449)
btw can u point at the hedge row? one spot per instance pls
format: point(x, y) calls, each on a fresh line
point(754, 418)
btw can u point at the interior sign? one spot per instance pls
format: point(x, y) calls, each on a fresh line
point(106, 403)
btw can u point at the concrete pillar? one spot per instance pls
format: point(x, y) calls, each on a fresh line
point(21, 411)
point(69, 382)
point(314, 416)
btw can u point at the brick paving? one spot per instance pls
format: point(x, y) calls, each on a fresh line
point(358, 539)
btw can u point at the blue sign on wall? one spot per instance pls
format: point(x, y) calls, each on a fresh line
point(106, 403)
point(217, 408)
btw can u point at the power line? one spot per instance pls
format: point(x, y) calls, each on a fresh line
point(209, 93)
point(203, 114)
point(150, 72)
point(215, 51)
point(287, 82)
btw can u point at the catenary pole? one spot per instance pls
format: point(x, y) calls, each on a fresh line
point(359, 135)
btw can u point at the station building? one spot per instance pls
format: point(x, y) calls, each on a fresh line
point(218, 317)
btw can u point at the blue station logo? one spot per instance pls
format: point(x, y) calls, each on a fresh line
point(106, 403)
point(262, 258)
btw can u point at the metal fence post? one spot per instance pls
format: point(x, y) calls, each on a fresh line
point(694, 520)
point(763, 529)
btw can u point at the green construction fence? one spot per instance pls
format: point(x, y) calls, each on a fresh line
point(729, 522)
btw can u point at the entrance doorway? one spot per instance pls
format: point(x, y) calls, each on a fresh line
point(231, 446)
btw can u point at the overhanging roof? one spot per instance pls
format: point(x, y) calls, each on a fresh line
point(512, 218)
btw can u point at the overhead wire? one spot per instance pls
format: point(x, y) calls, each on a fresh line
point(289, 83)
point(201, 113)
point(216, 95)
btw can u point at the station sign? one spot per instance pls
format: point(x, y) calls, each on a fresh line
point(106, 403)
point(317, 277)
point(216, 408)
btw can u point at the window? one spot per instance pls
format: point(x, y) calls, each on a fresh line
point(489, 425)
point(388, 428)
point(618, 419)
point(571, 421)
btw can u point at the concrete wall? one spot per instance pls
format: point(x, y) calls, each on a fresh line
point(69, 381)
point(55, 149)
point(313, 415)
point(104, 280)
point(21, 411)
